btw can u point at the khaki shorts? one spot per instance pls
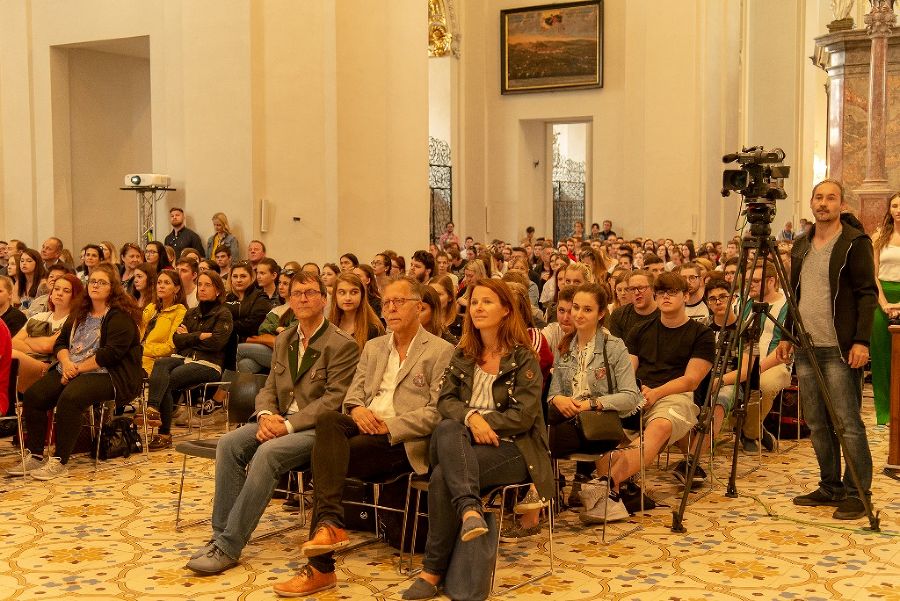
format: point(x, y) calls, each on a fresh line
point(679, 409)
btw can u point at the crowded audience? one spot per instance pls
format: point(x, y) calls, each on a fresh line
point(460, 362)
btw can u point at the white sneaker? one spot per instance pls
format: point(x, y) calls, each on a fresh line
point(592, 492)
point(52, 469)
point(607, 510)
point(32, 463)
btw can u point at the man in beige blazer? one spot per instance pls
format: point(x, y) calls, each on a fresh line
point(312, 366)
point(388, 415)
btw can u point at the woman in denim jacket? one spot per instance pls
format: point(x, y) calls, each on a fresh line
point(593, 372)
point(493, 431)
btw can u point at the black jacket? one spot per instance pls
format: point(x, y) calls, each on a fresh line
point(186, 238)
point(217, 321)
point(851, 272)
point(248, 314)
point(119, 352)
point(517, 394)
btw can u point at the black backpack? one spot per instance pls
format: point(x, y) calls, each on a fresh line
point(118, 438)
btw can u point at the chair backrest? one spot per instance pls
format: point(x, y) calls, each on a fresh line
point(242, 396)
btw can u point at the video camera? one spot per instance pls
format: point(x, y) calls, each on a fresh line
point(761, 174)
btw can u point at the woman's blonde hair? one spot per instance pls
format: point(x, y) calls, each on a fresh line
point(223, 219)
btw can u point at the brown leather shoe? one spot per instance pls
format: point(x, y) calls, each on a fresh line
point(326, 538)
point(152, 416)
point(306, 582)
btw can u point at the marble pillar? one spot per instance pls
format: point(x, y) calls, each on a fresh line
point(870, 172)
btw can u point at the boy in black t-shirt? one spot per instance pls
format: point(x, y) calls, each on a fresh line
point(723, 323)
point(671, 355)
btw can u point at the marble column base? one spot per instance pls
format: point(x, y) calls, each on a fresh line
point(873, 196)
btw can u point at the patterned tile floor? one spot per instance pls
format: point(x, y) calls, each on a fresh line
point(113, 537)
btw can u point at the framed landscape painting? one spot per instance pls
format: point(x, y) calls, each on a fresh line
point(551, 47)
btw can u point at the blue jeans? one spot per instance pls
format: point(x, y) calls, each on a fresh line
point(461, 471)
point(845, 385)
point(253, 358)
point(172, 374)
point(241, 493)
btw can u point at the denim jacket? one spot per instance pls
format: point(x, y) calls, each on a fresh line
point(626, 398)
point(518, 414)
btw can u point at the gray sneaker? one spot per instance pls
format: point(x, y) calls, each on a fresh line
point(214, 561)
point(54, 468)
point(32, 463)
point(516, 532)
point(181, 417)
point(600, 513)
point(593, 492)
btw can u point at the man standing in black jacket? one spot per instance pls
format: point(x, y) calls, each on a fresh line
point(181, 236)
point(835, 256)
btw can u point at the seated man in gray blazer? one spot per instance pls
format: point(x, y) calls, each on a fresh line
point(312, 366)
point(389, 414)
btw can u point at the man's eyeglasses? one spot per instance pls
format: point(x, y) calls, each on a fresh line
point(637, 289)
point(307, 294)
point(691, 278)
point(718, 299)
point(397, 303)
point(668, 293)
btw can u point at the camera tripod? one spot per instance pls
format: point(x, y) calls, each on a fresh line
point(746, 340)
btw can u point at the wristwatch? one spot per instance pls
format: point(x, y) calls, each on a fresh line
point(595, 404)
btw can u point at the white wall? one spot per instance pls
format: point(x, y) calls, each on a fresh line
point(109, 124)
point(320, 108)
point(658, 127)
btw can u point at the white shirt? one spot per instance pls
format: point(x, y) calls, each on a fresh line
point(382, 403)
point(889, 264)
point(191, 299)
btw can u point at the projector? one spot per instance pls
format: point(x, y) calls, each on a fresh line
point(147, 180)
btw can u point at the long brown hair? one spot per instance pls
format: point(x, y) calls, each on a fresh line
point(450, 311)
point(149, 293)
point(365, 315)
point(37, 275)
point(512, 331)
point(886, 230)
point(598, 291)
point(118, 299)
point(179, 292)
point(431, 298)
point(77, 291)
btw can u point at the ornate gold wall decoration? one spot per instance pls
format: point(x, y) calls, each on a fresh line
point(442, 38)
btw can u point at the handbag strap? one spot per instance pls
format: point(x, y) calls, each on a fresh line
point(609, 374)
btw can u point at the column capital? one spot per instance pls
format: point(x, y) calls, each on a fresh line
point(881, 19)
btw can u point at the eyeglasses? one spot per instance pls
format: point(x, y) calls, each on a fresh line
point(668, 293)
point(718, 299)
point(397, 303)
point(100, 283)
point(307, 294)
point(691, 278)
point(637, 289)
point(377, 263)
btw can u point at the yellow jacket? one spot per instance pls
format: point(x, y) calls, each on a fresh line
point(158, 341)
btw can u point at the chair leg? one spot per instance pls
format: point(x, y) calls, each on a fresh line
point(96, 431)
point(403, 525)
point(412, 544)
point(19, 411)
point(180, 494)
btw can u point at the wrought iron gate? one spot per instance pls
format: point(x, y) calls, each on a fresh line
point(440, 180)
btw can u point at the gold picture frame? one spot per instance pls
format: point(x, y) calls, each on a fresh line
point(552, 47)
